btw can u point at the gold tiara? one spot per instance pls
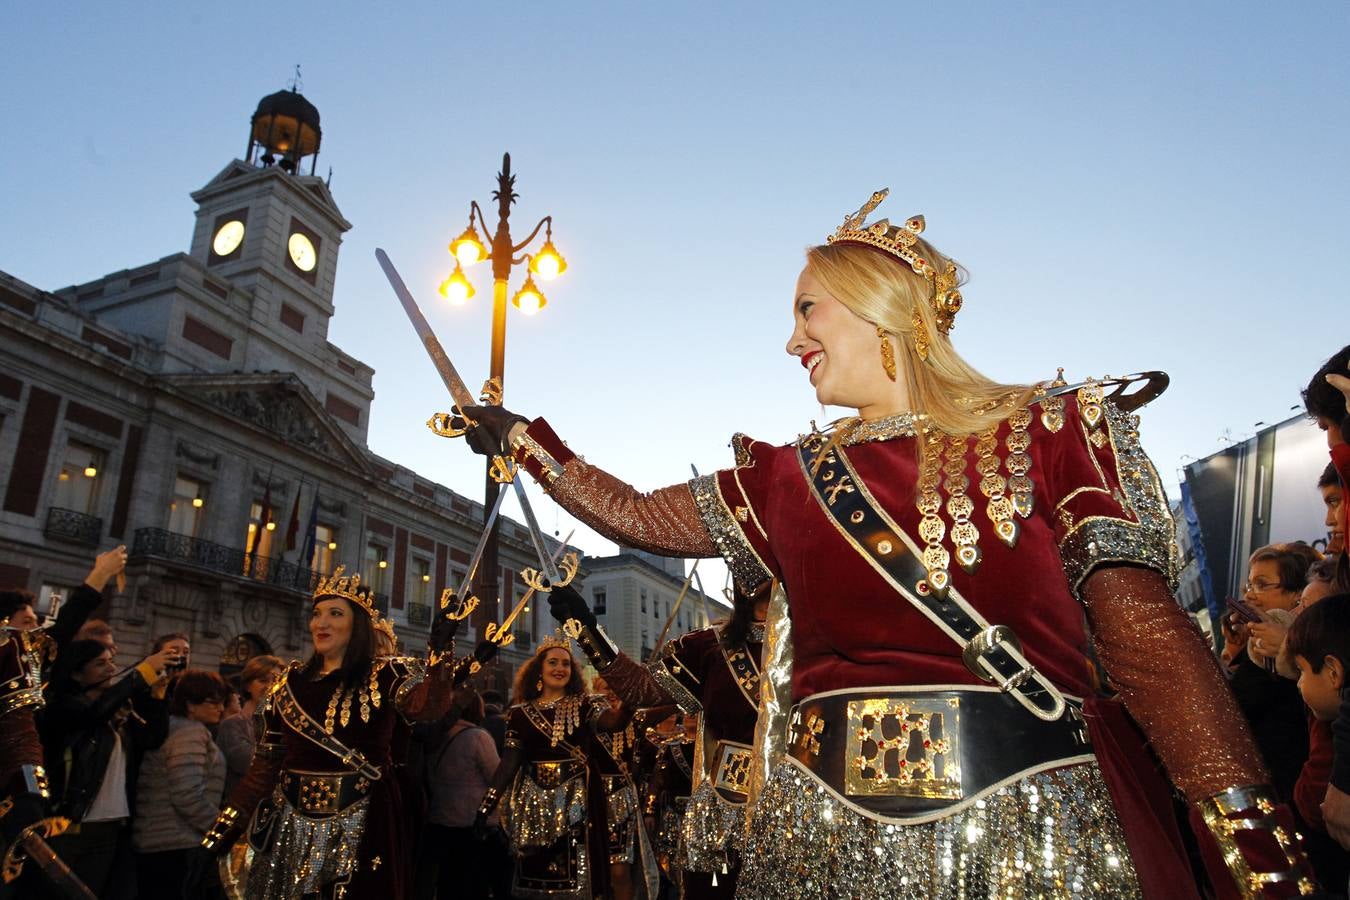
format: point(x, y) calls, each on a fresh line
point(555, 641)
point(348, 587)
point(901, 242)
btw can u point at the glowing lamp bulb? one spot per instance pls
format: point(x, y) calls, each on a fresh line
point(426, 577)
point(457, 288)
point(197, 502)
point(332, 545)
point(528, 299)
point(548, 263)
point(271, 526)
point(90, 471)
point(384, 564)
point(467, 248)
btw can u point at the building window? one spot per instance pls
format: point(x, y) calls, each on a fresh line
point(186, 506)
point(420, 586)
point(78, 481)
point(642, 600)
point(598, 601)
point(377, 564)
point(262, 528)
point(325, 549)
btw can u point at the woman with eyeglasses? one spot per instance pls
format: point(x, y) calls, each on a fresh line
point(1276, 576)
point(178, 794)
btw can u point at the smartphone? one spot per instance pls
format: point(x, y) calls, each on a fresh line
point(1244, 611)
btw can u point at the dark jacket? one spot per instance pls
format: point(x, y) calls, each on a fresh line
point(77, 738)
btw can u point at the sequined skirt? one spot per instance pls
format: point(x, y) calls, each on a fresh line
point(537, 816)
point(1051, 834)
point(305, 853)
point(712, 826)
point(621, 818)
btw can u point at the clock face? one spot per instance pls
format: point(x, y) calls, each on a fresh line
point(302, 252)
point(228, 238)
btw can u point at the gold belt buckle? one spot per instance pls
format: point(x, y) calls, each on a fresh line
point(317, 793)
point(904, 747)
point(731, 771)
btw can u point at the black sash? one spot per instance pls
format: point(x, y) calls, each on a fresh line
point(991, 652)
point(303, 724)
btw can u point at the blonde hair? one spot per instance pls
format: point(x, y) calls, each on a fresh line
point(956, 397)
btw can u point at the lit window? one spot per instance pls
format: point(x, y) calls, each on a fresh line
point(258, 542)
point(377, 564)
point(325, 548)
point(421, 582)
point(186, 506)
point(78, 481)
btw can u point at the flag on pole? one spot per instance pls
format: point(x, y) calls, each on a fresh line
point(294, 526)
point(311, 533)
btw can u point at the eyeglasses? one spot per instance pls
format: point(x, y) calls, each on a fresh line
point(214, 701)
point(1258, 587)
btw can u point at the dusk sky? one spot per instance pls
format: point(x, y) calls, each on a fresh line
point(1132, 186)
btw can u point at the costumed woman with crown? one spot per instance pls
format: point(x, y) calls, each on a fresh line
point(319, 806)
point(563, 793)
point(956, 562)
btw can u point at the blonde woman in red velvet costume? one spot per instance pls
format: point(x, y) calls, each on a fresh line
point(975, 644)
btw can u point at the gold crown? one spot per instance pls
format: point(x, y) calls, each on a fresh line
point(554, 641)
point(900, 241)
point(348, 587)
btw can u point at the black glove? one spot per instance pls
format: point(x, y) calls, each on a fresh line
point(565, 603)
point(492, 426)
point(443, 631)
point(485, 651)
point(28, 809)
point(481, 829)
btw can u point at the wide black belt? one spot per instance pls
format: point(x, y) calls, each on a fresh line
point(321, 794)
point(901, 752)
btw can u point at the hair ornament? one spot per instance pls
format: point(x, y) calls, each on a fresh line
point(901, 242)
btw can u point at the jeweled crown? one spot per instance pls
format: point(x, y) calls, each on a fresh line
point(348, 587)
point(901, 242)
point(554, 641)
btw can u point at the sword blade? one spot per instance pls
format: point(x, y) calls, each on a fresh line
point(520, 604)
point(57, 872)
point(546, 564)
point(482, 545)
point(444, 367)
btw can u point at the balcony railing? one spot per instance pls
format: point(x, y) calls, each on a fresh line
point(179, 548)
point(69, 525)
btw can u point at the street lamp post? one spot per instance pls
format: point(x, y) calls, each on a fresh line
point(547, 263)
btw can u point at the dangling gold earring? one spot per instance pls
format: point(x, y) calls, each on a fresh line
point(887, 354)
point(920, 336)
point(539, 685)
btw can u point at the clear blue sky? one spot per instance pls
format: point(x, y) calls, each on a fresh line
point(1132, 186)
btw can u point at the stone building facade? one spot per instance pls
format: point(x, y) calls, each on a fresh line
point(194, 409)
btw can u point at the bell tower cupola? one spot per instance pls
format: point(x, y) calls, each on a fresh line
point(285, 132)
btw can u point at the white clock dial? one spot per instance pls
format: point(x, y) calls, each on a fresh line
point(302, 252)
point(228, 238)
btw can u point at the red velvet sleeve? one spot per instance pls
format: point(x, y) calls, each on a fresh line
point(1108, 502)
point(1170, 681)
point(421, 693)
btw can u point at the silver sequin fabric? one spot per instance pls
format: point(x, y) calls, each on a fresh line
point(306, 853)
point(1052, 835)
point(711, 826)
point(536, 816)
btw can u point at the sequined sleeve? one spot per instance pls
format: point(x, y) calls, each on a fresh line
point(664, 521)
point(1170, 681)
point(1109, 505)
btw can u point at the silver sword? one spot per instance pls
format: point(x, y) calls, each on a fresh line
point(444, 367)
